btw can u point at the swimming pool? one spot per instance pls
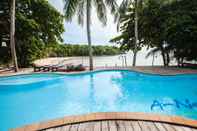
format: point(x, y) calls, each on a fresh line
point(26, 99)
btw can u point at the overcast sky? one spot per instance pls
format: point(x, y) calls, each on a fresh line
point(76, 34)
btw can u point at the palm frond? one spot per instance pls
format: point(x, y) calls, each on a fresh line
point(121, 11)
point(70, 8)
point(112, 5)
point(80, 12)
point(152, 52)
point(119, 38)
point(101, 11)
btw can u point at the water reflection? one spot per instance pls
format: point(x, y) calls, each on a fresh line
point(106, 93)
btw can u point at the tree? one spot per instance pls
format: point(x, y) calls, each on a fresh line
point(123, 9)
point(5, 51)
point(182, 30)
point(80, 6)
point(136, 32)
point(155, 12)
point(169, 27)
point(12, 34)
point(174, 29)
point(38, 24)
point(127, 27)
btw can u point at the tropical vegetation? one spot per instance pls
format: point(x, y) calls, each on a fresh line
point(37, 24)
point(65, 50)
point(38, 34)
point(169, 27)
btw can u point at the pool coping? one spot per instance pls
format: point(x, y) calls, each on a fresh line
point(105, 69)
point(108, 116)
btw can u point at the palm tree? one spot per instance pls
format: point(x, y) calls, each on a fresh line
point(12, 34)
point(136, 32)
point(122, 10)
point(164, 51)
point(84, 7)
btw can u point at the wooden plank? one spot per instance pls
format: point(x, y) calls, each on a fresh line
point(168, 127)
point(65, 128)
point(177, 128)
point(128, 126)
point(186, 128)
point(59, 129)
point(120, 125)
point(54, 129)
point(74, 127)
point(82, 127)
point(97, 126)
point(143, 126)
point(51, 129)
point(150, 125)
point(89, 126)
point(159, 126)
point(112, 126)
point(194, 129)
point(136, 126)
point(104, 126)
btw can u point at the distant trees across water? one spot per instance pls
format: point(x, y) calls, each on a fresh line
point(64, 50)
point(37, 51)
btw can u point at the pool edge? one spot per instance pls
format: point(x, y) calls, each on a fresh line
point(108, 116)
point(104, 69)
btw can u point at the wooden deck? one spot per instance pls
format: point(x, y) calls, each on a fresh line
point(121, 125)
point(141, 121)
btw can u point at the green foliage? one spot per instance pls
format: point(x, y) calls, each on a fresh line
point(38, 24)
point(182, 30)
point(155, 12)
point(65, 50)
point(4, 58)
point(126, 25)
point(174, 29)
point(169, 26)
point(31, 50)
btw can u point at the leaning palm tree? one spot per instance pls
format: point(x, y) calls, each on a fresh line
point(83, 8)
point(12, 34)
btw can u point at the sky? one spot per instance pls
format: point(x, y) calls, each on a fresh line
point(76, 34)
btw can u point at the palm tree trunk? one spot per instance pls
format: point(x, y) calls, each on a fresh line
point(12, 34)
point(164, 57)
point(136, 33)
point(153, 60)
point(89, 36)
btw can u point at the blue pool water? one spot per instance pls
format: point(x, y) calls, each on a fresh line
point(27, 99)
